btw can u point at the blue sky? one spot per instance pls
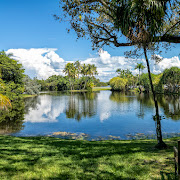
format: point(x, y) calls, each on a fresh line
point(30, 24)
point(27, 24)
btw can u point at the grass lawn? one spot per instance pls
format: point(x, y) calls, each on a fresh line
point(101, 88)
point(93, 89)
point(53, 158)
point(29, 95)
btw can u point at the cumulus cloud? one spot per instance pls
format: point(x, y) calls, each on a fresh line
point(44, 62)
point(164, 64)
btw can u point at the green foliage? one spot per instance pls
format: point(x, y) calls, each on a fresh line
point(124, 73)
point(54, 83)
point(80, 76)
point(144, 81)
point(171, 79)
point(158, 83)
point(5, 102)
point(10, 69)
point(127, 74)
point(140, 67)
point(31, 86)
point(118, 84)
point(100, 84)
point(11, 73)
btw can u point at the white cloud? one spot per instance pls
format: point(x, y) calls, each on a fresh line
point(44, 62)
point(165, 63)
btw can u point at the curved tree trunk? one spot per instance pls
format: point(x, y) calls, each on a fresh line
point(160, 144)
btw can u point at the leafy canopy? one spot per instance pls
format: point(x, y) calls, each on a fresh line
point(142, 22)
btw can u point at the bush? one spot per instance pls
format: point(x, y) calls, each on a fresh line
point(118, 84)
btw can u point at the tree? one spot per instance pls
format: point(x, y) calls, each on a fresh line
point(140, 67)
point(88, 71)
point(171, 78)
point(127, 74)
point(11, 74)
point(31, 86)
point(4, 100)
point(11, 70)
point(5, 103)
point(71, 71)
point(144, 23)
point(118, 84)
point(77, 65)
point(121, 73)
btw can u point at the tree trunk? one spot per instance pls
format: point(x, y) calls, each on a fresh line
point(160, 144)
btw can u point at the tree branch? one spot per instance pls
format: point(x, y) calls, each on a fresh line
point(171, 28)
point(168, 38)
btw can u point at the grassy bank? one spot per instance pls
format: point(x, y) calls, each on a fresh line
point(101, 88)
point(53, 158)
point(29, 95)
point(93, 89)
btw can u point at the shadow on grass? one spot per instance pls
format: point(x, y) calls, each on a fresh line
point(53, 158)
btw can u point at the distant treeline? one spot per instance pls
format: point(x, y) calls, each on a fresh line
point(166, 82)
point(78, 77)
point(61, 83)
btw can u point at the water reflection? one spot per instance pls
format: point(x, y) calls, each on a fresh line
point(81, 105)
point(31, 103)
point(98, 114)
point(45, 108)
point(171, 106)
point(12, 121)
point(122, 97)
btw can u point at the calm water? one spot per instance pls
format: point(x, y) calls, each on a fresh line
point(102, 114)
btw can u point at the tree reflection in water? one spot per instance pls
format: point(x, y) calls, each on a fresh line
point(171, 106)
point(31, 103)
point(169, 103)
point(81, 105)
point(12, 121)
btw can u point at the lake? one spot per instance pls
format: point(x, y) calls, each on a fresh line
point(95, 116)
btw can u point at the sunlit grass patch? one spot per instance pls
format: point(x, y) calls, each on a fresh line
point(101, 88)
point(54, 158)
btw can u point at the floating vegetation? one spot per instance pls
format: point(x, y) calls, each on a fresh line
point(84, 136)
point(138, 136)
point(68, 135)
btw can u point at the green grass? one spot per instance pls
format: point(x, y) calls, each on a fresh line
point(93, 89)
point(101, 88)
point(53, 158)
point(82, 90)
point(29, 95)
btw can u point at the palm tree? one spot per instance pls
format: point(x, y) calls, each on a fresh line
point(78, 67)
point(139, 66)
point(85, 71)
point(88, 70)
point(71, 71)
point(5, 103)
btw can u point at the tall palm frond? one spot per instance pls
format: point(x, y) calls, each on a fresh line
point(5, 103)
